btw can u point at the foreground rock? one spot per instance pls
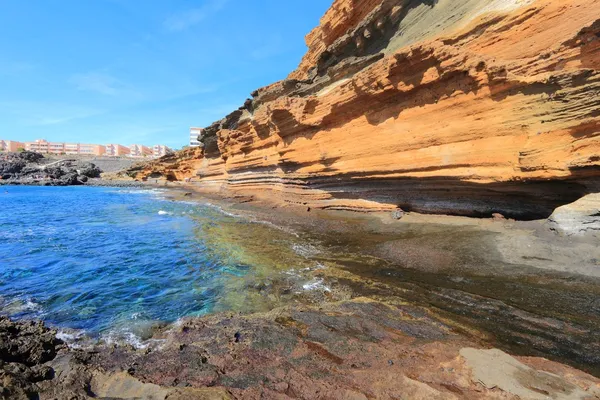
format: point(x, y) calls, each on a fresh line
point(470, 108)
point(579, 218)
point(24, 350)
point(28, 168)
point(359, 349)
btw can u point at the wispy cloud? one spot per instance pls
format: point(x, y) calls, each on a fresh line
point(31, 113)
point(98, 83)
point(184, 20)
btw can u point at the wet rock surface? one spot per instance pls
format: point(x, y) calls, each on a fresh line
point(358, 349)
point(29, 168)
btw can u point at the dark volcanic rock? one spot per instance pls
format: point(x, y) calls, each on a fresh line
point(11, 167)
point(90, 170)
point(69, 179)
point(30, 156)
point(24, 347)
point(55, 172)
point(28, 168)
point(13, 163)
point(28, 343)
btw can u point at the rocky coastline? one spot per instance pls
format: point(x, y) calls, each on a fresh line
point(29, 168)
point(472, 108)
point(378, 332)
point(404, 120)
point(358, 349)
point(34, 169)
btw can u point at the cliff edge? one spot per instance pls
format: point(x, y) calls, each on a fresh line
point(468, 107)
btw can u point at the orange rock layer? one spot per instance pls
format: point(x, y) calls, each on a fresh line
point(473, 108)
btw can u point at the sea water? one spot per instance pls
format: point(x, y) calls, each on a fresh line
point(108, 261)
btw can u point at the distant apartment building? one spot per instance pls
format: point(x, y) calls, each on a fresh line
point(43, 146)
point(139, 150)
point(71, 148)
point(92, 149)
point(11, 145)
point(117, 150)
point(39, 146)
point(194, 133)
point(56, 148)
point(160, 150)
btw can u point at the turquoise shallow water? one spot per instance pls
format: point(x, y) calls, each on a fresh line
point(103, 259)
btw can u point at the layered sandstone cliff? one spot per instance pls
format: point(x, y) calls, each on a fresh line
point(465, 107)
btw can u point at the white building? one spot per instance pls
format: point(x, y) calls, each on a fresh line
point(139, 151)
point(194, 133)
point(160, 150)
point(117, 150)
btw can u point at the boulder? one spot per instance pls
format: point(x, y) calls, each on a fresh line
point(579, 218)
point(90, 170)
point(398, 214)
point(69, 179)
point(55, 172)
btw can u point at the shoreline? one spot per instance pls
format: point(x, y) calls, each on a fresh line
point(516, 255)
point(403, 320)
point(296, 216)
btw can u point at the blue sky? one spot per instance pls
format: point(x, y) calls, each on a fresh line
point(140, 71)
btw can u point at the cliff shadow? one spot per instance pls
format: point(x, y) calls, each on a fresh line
point(451, 196)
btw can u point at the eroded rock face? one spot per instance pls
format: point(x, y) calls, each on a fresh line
point(469, 108)
point(579, 218)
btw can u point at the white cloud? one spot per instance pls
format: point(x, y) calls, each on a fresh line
point(184, 20)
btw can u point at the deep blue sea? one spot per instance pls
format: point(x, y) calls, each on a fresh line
point(102, 260)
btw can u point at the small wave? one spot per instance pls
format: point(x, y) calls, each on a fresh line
point(272, 225)
point(139, 191)
point(316, 284)
point(125, 337)
point(292, 272)
point(19, 306)
point(69, 336)
point(76, 339)
point(219, 209)
point(305, 250)
point(318, 266)
point(161, 212)
point(31, 306)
